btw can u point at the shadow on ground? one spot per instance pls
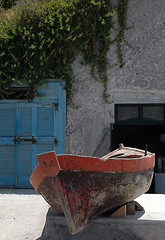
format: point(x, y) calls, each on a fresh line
point(18, 191)
point(104, 228)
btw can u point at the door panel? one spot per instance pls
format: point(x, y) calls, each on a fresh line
point(41, 148)
point(45, 121)
point(7, 120)
point(7, 166)
point(25, 121)
point(24, 165)
point(7, 147)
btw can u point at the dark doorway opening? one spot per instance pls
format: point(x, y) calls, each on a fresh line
point(15, 93)
point(138, 136)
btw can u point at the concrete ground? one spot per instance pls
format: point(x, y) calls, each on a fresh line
point(25, 215)
point(22, 214)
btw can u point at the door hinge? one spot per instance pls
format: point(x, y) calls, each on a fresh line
point(55, 141)
point(33, 140)
point(16, 139)
point(56, 106)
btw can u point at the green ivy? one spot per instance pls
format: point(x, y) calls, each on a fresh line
point(41, 39)
point(6, 4)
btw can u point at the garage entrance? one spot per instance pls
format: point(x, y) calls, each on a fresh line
point(139, 124)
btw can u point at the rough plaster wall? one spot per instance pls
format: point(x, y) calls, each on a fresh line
point(88, 124)
point(141, 80)
point(144, 67)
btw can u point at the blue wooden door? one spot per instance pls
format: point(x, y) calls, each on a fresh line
point(25, 130)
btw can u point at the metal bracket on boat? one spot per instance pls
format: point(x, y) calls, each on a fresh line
point(121, 145)
point(146, 149)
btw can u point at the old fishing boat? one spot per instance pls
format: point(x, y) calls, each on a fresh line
point(84, 187)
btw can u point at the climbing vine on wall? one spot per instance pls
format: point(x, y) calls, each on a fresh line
point(41, 39)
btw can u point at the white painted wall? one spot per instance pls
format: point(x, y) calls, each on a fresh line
point(141, 80)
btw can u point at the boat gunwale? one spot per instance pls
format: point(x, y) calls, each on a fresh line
point(85, 163)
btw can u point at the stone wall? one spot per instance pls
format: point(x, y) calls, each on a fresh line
point(141, 80)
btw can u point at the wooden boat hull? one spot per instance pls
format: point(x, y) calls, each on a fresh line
point(82, 193)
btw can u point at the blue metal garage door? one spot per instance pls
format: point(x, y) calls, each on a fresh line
point(25, 130)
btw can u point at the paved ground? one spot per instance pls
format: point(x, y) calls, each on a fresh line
point(22, 214)
point(25, 215)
